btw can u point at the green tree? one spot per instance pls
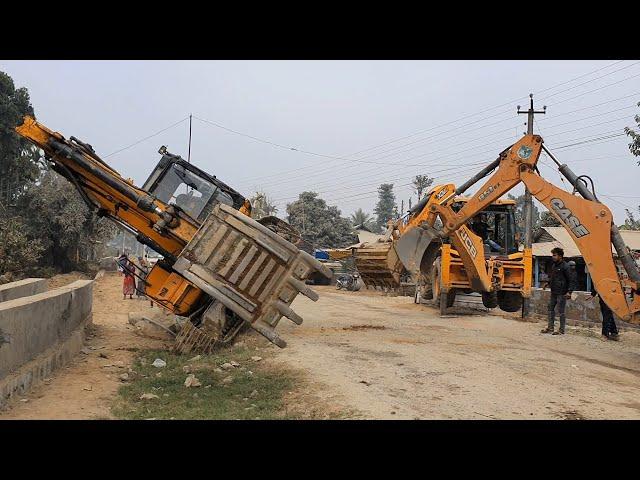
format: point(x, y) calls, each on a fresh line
point(45, 223)
point(634, 146)
point(61, 221)
point(319, 224)
point(18, 158)
point(384, 210)
point(19, 254)
point(631, 223)
point(519, 214)
point(421, 183)
point(262, 206)
point(359, 217)
point(548, 220)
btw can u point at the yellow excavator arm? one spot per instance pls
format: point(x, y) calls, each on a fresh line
point(106, 190)
point(221, 268)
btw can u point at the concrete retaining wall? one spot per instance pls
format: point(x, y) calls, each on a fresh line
point(22, 288)
point(44, 331)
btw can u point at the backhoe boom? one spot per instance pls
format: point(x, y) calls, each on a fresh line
point(589, 222)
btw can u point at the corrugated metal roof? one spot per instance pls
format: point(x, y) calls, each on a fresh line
point(563, 239)
point(631, 238)
point(543, 249)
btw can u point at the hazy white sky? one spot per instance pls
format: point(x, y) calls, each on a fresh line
point(385, 120)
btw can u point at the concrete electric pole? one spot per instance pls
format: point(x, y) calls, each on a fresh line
point(528, 199)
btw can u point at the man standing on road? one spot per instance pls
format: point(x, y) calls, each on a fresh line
point(562, 282)
point(609, 329)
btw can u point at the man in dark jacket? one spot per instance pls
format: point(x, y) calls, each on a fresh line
point(562, 282)
point(609, 329)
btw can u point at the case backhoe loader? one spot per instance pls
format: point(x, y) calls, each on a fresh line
point(423, 249)
point(221, 268)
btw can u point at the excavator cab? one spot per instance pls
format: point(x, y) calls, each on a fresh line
point(178, 182)
point(499, 221)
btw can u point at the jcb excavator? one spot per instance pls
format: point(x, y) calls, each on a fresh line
point(454, 257)
point(442, 273)
point(221, 268)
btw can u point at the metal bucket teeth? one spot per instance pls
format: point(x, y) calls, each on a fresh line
point(250, 269)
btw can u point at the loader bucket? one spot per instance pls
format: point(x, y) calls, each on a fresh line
point(412, 245)
point(378, 265)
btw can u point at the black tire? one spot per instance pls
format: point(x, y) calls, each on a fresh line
point(509, 301)
point(426, 273)
point(445, 299)
point(436, 286)
point(451, 297)
point(490, 299)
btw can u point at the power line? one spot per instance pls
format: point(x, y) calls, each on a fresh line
point(146, 138)
point(359, 195)
point(511, 102)
point(404, 137)
point(590, 106)
point(590, 141)
point(423, 165)
point(590, 81)
point(382, 164)
point(492, 143)
point(579, 77)
point(596, 89)
point(552, 126)
point(388, 179)
point(610, 197)
point(348, 186)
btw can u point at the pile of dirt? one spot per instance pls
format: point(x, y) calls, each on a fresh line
point(63, 279)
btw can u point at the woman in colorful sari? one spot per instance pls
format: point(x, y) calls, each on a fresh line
point(129, 282)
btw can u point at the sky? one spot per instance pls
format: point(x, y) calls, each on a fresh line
point(341, 128)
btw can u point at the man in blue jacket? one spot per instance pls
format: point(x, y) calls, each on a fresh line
point(562, 282)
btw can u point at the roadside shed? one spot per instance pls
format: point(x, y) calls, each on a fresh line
point(547, 238)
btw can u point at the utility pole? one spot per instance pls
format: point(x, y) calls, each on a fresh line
point(528, 199)
point(189, 152)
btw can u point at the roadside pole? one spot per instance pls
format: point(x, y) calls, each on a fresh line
point(528, 199)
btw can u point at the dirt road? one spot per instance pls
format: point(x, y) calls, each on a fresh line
point(85, 389)
point(389, 358)
point(385, 357)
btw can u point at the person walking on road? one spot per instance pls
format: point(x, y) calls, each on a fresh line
point(609, 328)
point(129, 280)
point(562, 282)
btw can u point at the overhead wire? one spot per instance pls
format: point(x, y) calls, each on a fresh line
point(146, 138)
point(406, 136)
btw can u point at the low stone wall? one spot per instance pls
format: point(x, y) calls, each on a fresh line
point(40, 333)
point(580, 309)
point(22, 288)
